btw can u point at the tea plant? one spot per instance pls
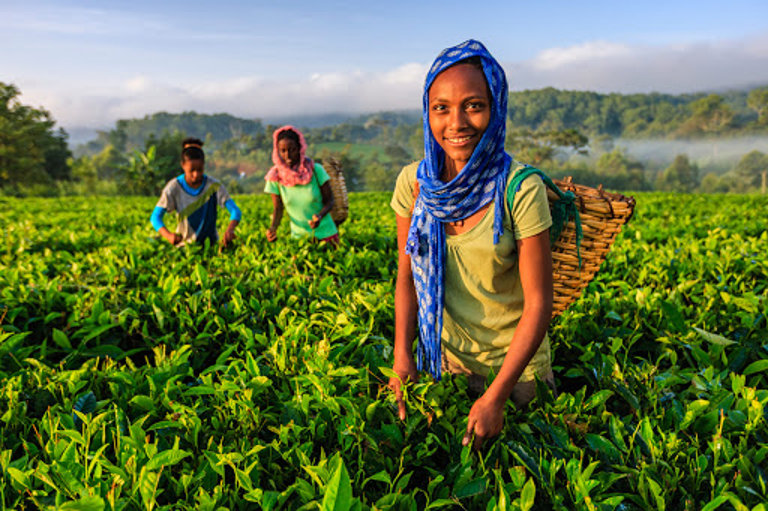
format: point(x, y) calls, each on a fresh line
point(138, 376)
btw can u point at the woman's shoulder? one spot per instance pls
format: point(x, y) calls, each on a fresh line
point(402, 198)
point(407, 176)
point(529, 206)
point(531, 182)
point(212, 181)
point(411, 169)
point(321, 173)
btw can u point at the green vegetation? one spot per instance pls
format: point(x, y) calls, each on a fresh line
point(641, 115)
point(581, 134)
point(139, 376)
point(31, 152)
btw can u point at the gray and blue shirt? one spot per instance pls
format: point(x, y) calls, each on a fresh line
point(196, 208)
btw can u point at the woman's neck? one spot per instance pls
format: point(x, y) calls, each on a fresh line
point(451, 169)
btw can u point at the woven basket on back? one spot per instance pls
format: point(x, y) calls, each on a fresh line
point(340, 210)
point(602, 214)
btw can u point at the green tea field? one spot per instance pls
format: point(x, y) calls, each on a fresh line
point(134, 375)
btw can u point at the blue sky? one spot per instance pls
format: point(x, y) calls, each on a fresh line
point(91, 63)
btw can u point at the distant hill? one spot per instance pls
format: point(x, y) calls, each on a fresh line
point(635, 116)
point(131, 133)
point(219, 128)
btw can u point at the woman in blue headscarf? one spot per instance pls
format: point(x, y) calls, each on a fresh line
point(474, 274)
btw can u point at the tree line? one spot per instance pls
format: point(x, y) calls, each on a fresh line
point(563, 132)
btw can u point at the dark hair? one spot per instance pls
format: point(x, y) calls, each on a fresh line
point(290, 135)
point(474, 61)
point(192, 141)
point(192, 153)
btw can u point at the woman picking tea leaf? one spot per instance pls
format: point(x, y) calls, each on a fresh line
point(474, 275)
point(301, 187)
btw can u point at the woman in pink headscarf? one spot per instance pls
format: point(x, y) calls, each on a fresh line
point(301, 187)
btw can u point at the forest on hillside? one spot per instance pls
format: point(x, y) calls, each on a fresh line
point(584, 134)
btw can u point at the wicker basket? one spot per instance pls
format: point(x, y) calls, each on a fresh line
point(340, 210)
point(602, 215)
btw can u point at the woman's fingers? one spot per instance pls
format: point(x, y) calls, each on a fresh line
point(479, 439)
point(394, 384)
point(470, 429)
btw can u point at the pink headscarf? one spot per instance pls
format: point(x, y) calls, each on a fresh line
point(281, 172)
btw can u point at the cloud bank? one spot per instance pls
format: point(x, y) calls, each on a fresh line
point(600, 66)
point(603, 66)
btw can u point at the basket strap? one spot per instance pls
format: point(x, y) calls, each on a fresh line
point(562, 210)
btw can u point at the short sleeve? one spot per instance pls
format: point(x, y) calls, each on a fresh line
point(222, 196)
point(530, 211)
point(167, 198)
point(402, 197)
point(272, 187)
point(322, 175)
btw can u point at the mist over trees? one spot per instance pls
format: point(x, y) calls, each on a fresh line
point(628, 142)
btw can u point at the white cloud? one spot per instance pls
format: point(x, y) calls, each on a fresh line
point(256, 96)
point(555, 58)
point(599, 65)
point(604, 67)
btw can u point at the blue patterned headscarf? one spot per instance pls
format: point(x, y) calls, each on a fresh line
point(482, 180)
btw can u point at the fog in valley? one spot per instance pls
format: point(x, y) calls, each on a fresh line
point(716, 155)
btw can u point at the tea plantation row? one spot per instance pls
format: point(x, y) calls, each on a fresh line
point(138, 376)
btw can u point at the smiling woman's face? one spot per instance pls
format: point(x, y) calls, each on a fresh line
point(459, 113)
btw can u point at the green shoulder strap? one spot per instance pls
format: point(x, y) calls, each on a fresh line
point(562, 210)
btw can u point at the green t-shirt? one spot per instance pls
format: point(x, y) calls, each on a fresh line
point(483, 292)
point(303, 201)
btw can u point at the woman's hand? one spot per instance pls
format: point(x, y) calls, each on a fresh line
point(486, 418)
point(277, 215)
point(174, 238)
point(229, 237)
point(315, 221)
point(406, 372)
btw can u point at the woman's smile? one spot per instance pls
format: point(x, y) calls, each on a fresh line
point(459, 141)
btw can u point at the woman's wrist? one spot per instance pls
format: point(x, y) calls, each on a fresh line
point(497, 393)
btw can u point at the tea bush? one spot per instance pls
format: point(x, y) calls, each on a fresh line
point(134, 375)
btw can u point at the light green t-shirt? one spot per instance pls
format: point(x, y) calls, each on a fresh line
point(303, 201)
point(483, 292)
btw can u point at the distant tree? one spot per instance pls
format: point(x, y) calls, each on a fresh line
point(617, 170)
point(617, 163)
point(757, 100)
point(56, 153)
point(751, 171)
point(709, 115)
point(109, 162)
point(30, 150)
point(681, 176)
point(354, 173)
point(538, 147)
point(398, 156)
point(602, 144)
point(167, 148)
point(416, 142)
point(379, 177)
point(144, 174)
point(83, 169)
point(712, 183)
